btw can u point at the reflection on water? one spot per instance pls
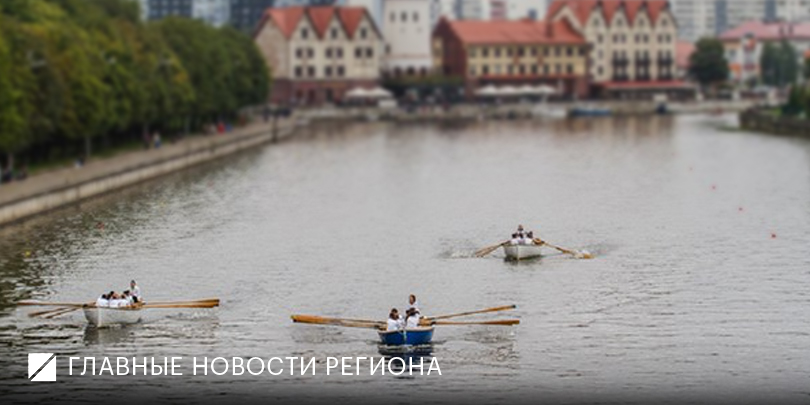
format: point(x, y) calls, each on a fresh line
point(700, 236)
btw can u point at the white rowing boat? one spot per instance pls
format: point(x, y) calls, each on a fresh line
point(105, 317)
point(522, 252)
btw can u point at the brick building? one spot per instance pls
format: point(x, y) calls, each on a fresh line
point(516, 52)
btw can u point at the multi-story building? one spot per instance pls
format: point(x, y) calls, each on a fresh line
point(469, 10)
point(246, 14)
point(406, 30)
point(514, 53)
point(497, 10)
point(700, 18)
point(317, 54)
point(633, 44)
point(743, 45)
point(157, 9)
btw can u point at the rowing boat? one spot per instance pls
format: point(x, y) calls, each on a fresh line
point(105, 317)
point(407, 337)
point(522, 252)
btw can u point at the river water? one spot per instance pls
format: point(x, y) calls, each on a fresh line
point(699, 289)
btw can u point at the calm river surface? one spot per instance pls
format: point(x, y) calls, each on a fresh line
point(700, 288)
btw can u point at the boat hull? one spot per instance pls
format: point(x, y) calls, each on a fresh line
point(522, 252)
point(106, 317)
point(407, 337)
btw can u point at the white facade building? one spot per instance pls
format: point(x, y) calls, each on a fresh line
point(407, 28)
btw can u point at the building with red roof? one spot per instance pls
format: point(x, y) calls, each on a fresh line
point(317, 54)
point(744, 43)
point(632, 53)
point(513, 52)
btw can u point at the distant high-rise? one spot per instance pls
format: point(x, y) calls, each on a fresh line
point(246, 14)
point(157, 9)
point(699, 18)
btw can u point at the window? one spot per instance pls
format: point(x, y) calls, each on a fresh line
point(545, 69)
point(569, 69)
point(393, 17)
point(522, 69)
point(521, 51)
point(333, 33)
point(327, 71)
point(304, 33)
point(582, 52)
point(403, 16)
point(557, 51)
point(299, 53)
point(545, 51)
point(485, 52)
point(311, 71)
point(339, 52)
point(509, 52)
point(299, 71)
point(310, 52)
point(497, 52)
point(369, 52)
point(484, 70)
point(358, 52)
point(569, 51)
point(328, 53)
point(363, 33)
point(341, 71)
point(557, 69)
point(599, 38)
point(534, 69)
point(534, 51)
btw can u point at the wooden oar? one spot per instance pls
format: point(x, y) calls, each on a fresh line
point(575, 253)
point(350, 323)
point(503, 322)
point(480, 311)
point(489, 249)
point(51, 304)
point(61, 312)
point(204, 301)
point(46, 312)
point(181, 305)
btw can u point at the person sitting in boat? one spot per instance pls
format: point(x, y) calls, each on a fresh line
point(394, 320)
point(529, 238)
point(103, 301)
point(135, 291)
point(127, 296)
point(412, 303)
point(515, 239)
point(520, 231)
point(412, 318)
point(117, 301)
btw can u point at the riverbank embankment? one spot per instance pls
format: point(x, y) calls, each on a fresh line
point(763, 120)
point(62, 187)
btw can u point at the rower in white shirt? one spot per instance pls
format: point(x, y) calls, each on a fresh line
point(515, 239)
point(102, 301)
point(394, 321)
point(412, 304)
point(412, 320)
point(135, 291)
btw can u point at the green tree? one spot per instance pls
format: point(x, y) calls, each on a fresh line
point(708, 64)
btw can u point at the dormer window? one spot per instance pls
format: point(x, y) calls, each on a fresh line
point(304, 33)
point(333, 33)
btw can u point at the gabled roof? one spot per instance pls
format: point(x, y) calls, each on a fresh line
point(514, 32)
point(288, 18)
point(582, 9)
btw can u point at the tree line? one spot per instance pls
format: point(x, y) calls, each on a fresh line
point(82, 74)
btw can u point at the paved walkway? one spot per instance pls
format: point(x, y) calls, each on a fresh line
point(46, 182)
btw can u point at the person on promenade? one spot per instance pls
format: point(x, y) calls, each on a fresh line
point(156, 140)
point(394, 320)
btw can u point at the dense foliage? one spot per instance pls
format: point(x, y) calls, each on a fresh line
point(779, 64)
point(79, 73)
point(708, 64)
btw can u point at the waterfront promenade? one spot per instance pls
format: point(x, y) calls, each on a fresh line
point(60, 187)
